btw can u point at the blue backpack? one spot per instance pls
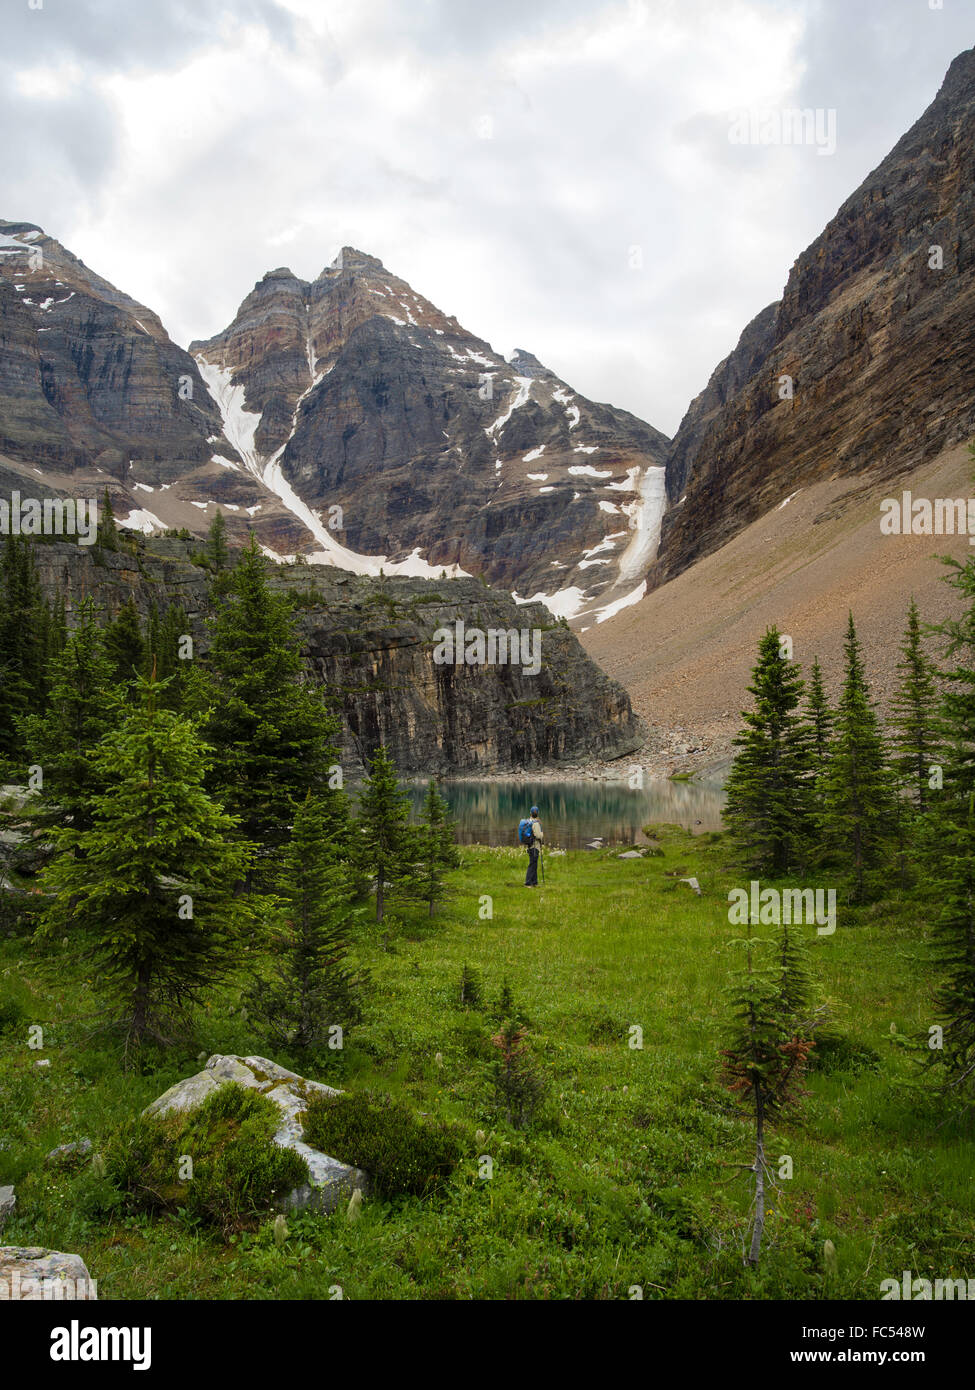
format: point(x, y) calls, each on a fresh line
point(525, 836)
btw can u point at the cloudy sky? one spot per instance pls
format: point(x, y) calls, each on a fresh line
point(557, 173)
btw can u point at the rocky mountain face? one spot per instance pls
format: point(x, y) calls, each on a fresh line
point(373, 644)
point(89, 378)
point(353, 392)
point(874, 333)
point(346, 419)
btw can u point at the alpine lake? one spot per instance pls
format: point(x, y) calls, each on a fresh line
point(575, 814)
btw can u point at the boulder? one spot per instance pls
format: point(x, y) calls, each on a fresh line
point(631, 854)
point(30, 1272)
point(8, 1203)
point(330, 1180)
point(66, 1155)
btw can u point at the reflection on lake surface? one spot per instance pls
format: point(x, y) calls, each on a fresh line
point(575, 813)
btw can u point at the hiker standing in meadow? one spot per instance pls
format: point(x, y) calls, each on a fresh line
point(531, 836)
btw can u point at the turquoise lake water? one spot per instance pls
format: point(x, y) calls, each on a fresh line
point(575, 813)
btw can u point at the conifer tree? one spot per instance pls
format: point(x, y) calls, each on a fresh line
point(82, 709)
point(272, 735)
point(58, 629)
point(769, 801)
point(820, 714)
point(949, 845)
point(388, 841)
point(147, 892)
point(217, 542)
point(957, 703)
point(313, 988)
point(767, 1050)
point(106, 535)
point(125, 644)
point(164, 643)
point(859, 811)
point(913, 710)
point(954, 948)
point(436, 847)
point(24, 638)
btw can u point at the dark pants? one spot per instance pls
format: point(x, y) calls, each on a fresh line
point(531, 877)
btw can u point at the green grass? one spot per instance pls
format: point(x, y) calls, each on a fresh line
point(625, 1176)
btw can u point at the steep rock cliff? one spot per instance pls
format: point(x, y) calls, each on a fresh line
point(371, 643)
point(875, 332)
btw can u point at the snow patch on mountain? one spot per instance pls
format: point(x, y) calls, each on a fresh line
point(239, 424)
point(521, 396)
point(609, 610)
point(564, 604)
point(143, 521)
point(647, 516)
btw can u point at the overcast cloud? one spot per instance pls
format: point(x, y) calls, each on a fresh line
point(556, 173)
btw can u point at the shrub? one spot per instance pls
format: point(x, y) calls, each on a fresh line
point(518, 1086)
point(11, 1013)
point(238, 1171)
point(470, 991)
point(402, 1153)
point(835, 1052)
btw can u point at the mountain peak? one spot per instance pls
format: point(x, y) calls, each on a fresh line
point(527, 364)
point(349, 258)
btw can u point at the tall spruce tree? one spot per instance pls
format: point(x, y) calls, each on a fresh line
point(313, 987)
point(83, 707)
point(388, 839)
point(147, 892)
point(769, 796)
point(859, 815)
point(272, 735)
point(914, 715)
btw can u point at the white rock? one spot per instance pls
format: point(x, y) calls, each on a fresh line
point(8, 1202)
point(30, 1272)
point(330, 1180)
point(694, 884)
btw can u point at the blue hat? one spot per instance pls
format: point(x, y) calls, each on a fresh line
point(534, 810)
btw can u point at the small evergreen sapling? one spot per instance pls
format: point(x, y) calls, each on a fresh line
point(768, 1048)
point(518, 1084)
point(388, 843)
point(437, 851)
point(313, 988)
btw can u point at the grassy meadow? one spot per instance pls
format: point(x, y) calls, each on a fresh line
point(625, 1179)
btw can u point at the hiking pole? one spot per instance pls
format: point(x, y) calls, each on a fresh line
point(541, 861)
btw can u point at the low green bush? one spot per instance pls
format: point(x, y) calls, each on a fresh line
point(238, 1172)
point(402, 1153)
point(835, 1052)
